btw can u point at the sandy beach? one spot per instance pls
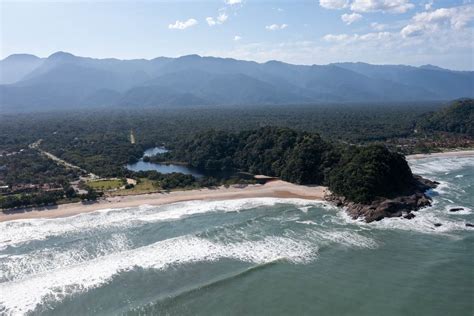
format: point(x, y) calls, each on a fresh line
point(458, 153)
point(276, 189)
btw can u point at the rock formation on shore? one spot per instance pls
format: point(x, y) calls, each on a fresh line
point(413, 199)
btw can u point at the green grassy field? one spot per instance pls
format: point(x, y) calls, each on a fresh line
point(143, 186)
point(104, 185)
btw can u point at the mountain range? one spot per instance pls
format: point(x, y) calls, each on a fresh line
point(63, 80)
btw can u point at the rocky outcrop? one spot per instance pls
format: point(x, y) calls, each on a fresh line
point(409, 216)
point(413, 199)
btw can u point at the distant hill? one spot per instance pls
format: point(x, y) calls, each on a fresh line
point(16, 67)
point(458, 117)
point(65, 81)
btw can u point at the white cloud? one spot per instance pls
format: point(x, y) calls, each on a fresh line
point(275, 27)
point(181, 25)
point(237, 38)
point(336, 38)
point(429, 5)
point(210, 21)
point(350, 18)
point(378, 26)
point(413, 30)
point(377, 36)
point(346, 38)
point(430, 22)
point(334, 4)
point(445, 38)
point(450, 49)
point(221, 18)
point(391, 6)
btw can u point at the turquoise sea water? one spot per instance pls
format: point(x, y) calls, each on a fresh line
point(247, 257)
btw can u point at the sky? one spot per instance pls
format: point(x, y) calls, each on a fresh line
point(412, 32)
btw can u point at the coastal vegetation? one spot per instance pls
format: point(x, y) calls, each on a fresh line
point(256, 140)
point(363, 174)
point(360, 173)
point(31, 199)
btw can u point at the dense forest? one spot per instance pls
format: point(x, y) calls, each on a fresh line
point(360, 173)
point(35, 180)
point(365, 173)
point(28, 166)
point(100, 141)
point(456, 118)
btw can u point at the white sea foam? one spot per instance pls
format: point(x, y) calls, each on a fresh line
point(21, 296)
point(304, 209)
point(343, 237)
point(447, 189)
point(444, 196)
point(307, 222)
point(17, 267)
point(52, 273)
point(424, 222)
point(33, 282)
point(430, 166)
point(465, 210)
point(20, 231)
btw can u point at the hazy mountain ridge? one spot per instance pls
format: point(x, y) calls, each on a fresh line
point(16, 67)
point(63, 80)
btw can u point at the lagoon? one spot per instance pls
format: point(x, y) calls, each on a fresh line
point(162, 167)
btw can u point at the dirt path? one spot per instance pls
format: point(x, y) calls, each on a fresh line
point(35, 145)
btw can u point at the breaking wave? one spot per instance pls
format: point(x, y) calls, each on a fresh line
point(434, 166)
point(21, 231)
point(24, 295)
point(60, 268)
point(44, 261)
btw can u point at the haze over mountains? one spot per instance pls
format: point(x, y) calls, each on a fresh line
point(66, 81)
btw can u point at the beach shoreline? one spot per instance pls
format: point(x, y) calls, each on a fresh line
point(444, 154)
point(272, 189)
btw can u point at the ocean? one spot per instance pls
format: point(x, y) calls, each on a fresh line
point(261, 256)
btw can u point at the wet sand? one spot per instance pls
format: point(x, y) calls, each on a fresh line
point(276, 189)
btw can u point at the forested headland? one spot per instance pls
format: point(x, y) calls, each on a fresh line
point(360, 173)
